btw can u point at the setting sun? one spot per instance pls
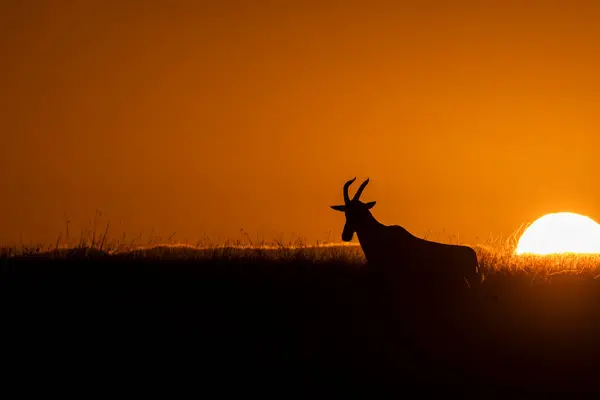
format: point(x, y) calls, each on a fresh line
point(562, 232)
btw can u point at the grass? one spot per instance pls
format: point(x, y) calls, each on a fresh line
point(300, 314)
point(496, 255)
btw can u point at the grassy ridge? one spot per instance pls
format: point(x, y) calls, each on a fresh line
point(493, 258)
point(305, 316)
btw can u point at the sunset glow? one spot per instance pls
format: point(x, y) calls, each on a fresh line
point(562, 232)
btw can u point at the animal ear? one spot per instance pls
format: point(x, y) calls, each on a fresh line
point(370, 204)
point(339, 208)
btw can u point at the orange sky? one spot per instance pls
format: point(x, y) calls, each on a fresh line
point(207, 117)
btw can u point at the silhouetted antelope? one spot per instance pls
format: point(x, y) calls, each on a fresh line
point(392, 250)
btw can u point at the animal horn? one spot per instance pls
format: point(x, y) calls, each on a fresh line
point(346, 186)
point(360, 189)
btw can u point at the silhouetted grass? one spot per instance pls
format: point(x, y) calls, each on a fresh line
point(494, 257)
point(306, 316)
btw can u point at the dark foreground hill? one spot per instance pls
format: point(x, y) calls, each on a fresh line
point(299, 327)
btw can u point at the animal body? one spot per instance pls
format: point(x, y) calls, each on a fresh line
point(393, 252)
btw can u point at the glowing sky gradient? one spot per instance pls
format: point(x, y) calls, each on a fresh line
point(202, 118)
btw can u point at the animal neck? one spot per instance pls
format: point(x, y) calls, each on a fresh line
point(367, 227)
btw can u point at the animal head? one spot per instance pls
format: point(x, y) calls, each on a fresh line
point(356, 211)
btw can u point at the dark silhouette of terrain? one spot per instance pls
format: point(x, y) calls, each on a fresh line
point(291, 326)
